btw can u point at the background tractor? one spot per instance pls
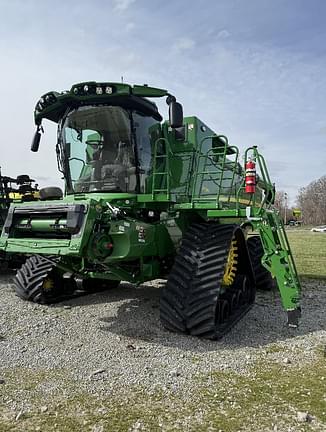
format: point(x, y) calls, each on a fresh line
point(147, 199)
point(20, 189)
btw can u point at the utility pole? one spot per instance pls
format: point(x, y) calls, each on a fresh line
point(285, 206)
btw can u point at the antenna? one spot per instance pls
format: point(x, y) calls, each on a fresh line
point(122, 79)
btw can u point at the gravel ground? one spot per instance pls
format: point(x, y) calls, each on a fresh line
point(111, 342)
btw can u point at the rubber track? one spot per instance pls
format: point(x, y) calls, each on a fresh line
point(264, 280)
point(190, 297)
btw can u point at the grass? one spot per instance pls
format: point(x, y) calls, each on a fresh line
point(268, 394)
point(309, 251)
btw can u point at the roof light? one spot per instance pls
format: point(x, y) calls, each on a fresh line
point(99, 90)
point(108, 90)
point(85, 88)
point(40, 104)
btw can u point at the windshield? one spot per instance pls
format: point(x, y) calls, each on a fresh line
point(106, 148)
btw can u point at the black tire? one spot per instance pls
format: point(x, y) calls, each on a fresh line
point(93, 285)
point(30, 278)
point(50, 193)
point(264, 280)
point(194, 299)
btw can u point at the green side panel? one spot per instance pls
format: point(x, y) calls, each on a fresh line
point(132, 239)
point(36, 231)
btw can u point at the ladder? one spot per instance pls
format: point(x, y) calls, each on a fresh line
point(278, 259)
point(161, 169)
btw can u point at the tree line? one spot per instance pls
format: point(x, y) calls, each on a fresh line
point(311, 200)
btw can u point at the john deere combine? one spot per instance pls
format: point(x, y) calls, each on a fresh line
point(147, 199)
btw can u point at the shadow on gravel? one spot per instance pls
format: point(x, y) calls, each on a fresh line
point(138, 318)
point(6, 277)
point(124, 292)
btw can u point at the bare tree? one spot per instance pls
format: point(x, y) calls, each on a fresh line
point(312, 201)
point(281, 203)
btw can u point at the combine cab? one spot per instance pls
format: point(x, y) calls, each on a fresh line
point(147, 199)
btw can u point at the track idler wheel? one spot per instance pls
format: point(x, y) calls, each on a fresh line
point(211, 284)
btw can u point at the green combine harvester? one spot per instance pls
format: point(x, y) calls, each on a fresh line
point(146, 199)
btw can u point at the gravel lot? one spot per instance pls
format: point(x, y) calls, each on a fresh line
point(111, 345)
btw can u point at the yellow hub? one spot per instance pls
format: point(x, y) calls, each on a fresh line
point(231, 264)
point(48, 284)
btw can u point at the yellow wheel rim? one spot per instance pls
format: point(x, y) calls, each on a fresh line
point(48, 284)
point(231, 264)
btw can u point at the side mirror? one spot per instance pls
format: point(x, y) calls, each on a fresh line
point(36, 139)
point(175, 114)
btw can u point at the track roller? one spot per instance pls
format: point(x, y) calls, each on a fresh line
point(211, 284)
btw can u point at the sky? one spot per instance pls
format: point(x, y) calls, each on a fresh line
point(254, 70)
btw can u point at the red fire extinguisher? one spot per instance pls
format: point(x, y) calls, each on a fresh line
point(250, 181)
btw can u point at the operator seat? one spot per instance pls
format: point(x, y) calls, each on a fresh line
point(121, 174)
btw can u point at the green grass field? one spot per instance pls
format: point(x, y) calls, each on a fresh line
point(268, 394)
point(309, 251)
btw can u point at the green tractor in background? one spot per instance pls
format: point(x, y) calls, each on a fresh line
point(146, 199)
point(20, 189)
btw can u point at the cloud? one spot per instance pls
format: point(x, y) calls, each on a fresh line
point(130, 26)
point(223, 34)
point(122, 5)
point(183, 44)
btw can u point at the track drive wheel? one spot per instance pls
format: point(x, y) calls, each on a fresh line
point(39, 281)
point(211, 284)
point(264, 280)
point(93, 285)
